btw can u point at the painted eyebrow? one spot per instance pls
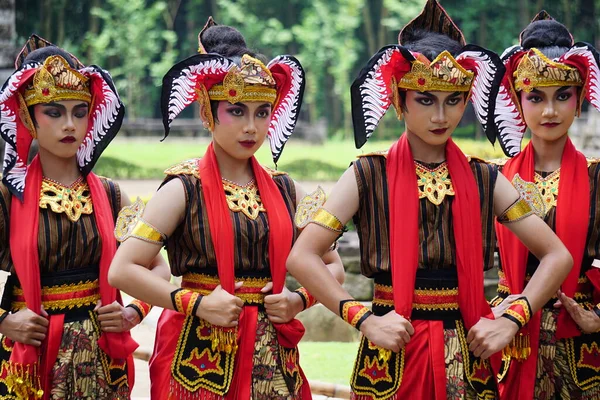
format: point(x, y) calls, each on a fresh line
point(53, 104)
point(434, 97)
point(82, 105)
point(563, 89)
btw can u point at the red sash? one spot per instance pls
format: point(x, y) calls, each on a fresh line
point(24, 220)
point(280, 242)
point(572, 214)
point(404, 252)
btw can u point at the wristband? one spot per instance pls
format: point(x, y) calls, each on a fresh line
point(519, 312)
point(185, 301)
point(307, 299)
point(353, 312)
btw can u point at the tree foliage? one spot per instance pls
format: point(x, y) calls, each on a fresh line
point(138, 40)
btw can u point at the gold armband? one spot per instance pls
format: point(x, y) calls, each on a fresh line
point(130, 224)
point(308, 206)
point(516, 212)
point(327, 220)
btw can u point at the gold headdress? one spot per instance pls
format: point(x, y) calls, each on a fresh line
point(57, 81)
point(251, 81)
point(444, 73)
point(537, 70)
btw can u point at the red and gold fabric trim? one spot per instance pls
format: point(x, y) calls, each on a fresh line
point(62, 297)
point(307, 299)
point(423, 299)
point(141, 308)
point(204, 284)
point(353, 312)
point(519, 312)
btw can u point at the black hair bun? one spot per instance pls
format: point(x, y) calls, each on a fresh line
point(224, 40)
point(546, 33)
point(40, 55)
point(430, 44)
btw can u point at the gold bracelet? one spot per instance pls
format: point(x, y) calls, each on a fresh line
point(327, 220)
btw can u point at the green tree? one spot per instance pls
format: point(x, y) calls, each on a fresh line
point(135, 46)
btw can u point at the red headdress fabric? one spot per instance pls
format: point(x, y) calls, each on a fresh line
point(373, 91)
point(24, 182)
point(188, 78)
point(508, 124)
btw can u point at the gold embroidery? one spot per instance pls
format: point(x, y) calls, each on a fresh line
point(244, 199)
point(530, 192)
point(61, 304)
point(380, 153)
point(73, 200)
point(592, 160)
point(308, 206)
point(548, 188)
point(434, 184)
point(188, 167)
point(130, 224)
point(537, 70)
point(62, 289)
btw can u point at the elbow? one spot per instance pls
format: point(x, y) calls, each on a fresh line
point(567, 260)
point(340, 273)
point(292, 263)
point(114, 275)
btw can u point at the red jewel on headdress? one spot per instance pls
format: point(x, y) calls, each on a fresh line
point(232, 92)
point(45, 91)
point(526, 81)
point(421, 81)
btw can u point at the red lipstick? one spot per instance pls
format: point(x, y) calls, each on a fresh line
point(68, 139)
point(248, 143)
point(550, 124)
point(439, 131)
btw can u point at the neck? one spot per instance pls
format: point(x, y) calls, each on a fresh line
point(233, 169)
point(425, 152)
point(548, 154)
point(62, 170)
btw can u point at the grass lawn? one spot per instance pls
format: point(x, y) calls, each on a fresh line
point(328, 361)
point(139, 159)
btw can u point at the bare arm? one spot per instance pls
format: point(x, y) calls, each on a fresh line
point(555, 259)
point(129, 269)
point(305, 263)
point(489, 336)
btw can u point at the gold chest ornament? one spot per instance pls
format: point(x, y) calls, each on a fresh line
point(73, 200)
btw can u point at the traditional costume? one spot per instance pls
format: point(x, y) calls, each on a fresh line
point(550, 356)
point(426, 231)
point(231, 233)
point(57, 242)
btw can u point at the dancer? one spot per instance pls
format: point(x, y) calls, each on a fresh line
point(64, 330)
point(424, 213)
point(547, 78)
point(227, 223)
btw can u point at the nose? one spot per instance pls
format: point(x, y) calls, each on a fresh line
point(250, 127)
point(439, 116)
point(549, 110)
point(69, 124)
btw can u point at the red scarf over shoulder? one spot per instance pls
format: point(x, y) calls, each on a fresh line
point(24, 224)
point(280, 242)
point(572, 218)
point(430, 380)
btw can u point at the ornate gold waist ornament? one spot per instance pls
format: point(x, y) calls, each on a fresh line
point(537, 70)
point(72, 200)
point(434, 184)
point(244, 199)
point(57, 81)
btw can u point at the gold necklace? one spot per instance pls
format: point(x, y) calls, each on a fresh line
point(244, 199)
point(73, 200)
point(548, 188)
point(434, 184)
